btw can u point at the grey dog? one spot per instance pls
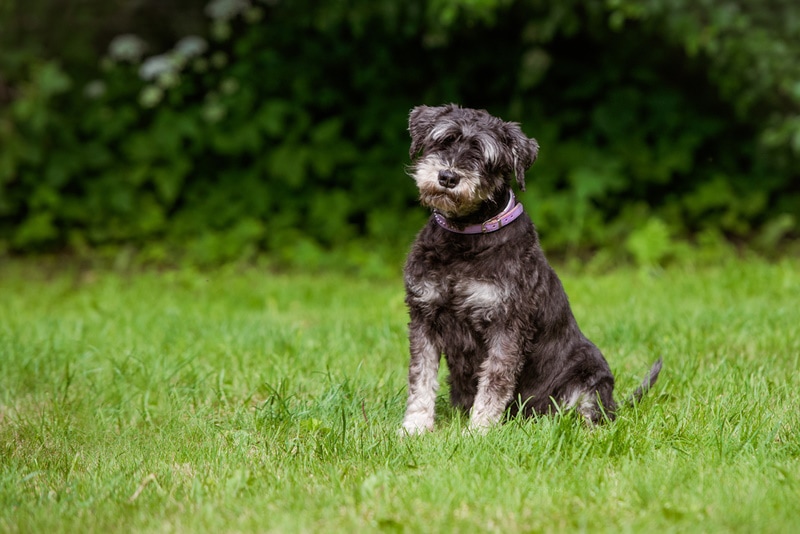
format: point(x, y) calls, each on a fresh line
point(480, 291)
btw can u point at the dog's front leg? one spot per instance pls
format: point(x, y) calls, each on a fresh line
point(497, 381)
point(423, 381)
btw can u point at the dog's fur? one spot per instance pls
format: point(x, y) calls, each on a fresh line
point(490, 302)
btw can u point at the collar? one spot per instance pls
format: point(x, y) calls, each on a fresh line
point(513, 210)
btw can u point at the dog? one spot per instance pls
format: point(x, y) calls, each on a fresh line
point(480, 291)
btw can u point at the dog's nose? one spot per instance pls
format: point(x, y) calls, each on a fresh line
point(448, 179)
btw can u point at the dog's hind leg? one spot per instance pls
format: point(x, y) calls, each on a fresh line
point(595, 404)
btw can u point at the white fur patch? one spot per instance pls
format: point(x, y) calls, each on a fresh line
point(486, 412)
point(584, 402)
point(491, 152)
point(421, 404)
point(442, 129)
point(482, 294)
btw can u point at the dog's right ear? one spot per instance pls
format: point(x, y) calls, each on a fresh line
point(420, 123)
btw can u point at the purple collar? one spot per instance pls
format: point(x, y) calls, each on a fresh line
point(513, 210)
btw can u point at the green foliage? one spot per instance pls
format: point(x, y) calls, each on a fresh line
point(283, 130)
point(650, 243)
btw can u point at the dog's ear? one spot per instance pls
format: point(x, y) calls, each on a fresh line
point(420, 123)
point(523, 150)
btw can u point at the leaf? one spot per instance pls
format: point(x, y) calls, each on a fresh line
point(36, 229)
point(51, 80)
point(649, 244)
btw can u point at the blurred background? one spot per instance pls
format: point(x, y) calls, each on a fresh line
point(192, 132)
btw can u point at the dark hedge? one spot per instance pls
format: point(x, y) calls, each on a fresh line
point(282, 132)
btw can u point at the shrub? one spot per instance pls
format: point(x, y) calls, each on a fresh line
point(282, 131)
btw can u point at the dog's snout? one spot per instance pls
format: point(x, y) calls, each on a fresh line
point(448, 179)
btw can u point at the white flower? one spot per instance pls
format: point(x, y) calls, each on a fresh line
point(150, 96)
point(127, 47)
point(155, 66)
point(191, 46)
point(226, 9)
point(95, 89)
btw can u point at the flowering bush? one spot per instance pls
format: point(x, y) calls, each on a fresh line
point(281, 131)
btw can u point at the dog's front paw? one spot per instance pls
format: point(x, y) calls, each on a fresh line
point(481, 421)
point(477, 428)
point(414, 428)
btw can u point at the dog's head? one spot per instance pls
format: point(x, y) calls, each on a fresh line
point(463, 157)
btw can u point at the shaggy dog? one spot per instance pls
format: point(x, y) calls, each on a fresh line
point(479, 289)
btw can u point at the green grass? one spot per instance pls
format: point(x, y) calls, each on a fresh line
point(242, 401)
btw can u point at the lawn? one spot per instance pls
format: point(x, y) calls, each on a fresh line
point(244, 401)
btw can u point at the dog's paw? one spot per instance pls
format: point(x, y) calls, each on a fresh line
point(413, 429)
point(476, 429)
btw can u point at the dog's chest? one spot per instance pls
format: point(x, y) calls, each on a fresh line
point(462, 298)
point(480, 279)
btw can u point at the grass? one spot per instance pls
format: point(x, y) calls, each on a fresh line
point(242, 401)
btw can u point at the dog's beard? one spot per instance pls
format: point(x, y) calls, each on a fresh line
point(459, 201)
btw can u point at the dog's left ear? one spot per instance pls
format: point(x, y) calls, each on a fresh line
point(524, 151)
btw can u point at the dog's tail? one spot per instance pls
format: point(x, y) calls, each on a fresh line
point(646, 384)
